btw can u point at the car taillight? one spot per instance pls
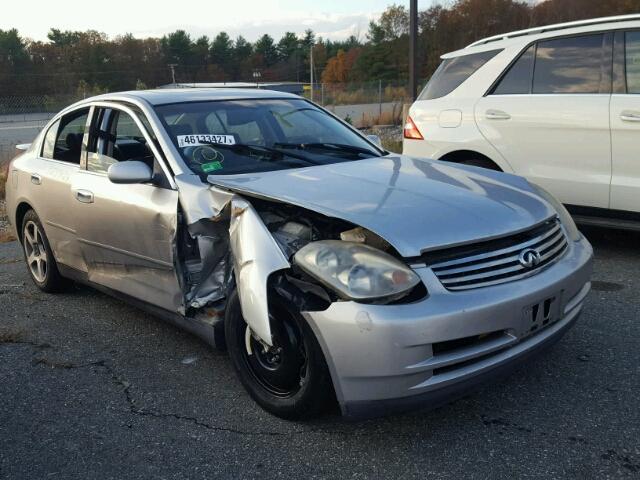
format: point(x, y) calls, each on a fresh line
point(411, 131)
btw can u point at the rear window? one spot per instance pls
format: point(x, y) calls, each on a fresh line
point(632, 59)
point(452, 73)
point(518, 79)
point(569, 65)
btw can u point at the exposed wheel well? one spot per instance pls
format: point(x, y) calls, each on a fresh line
point(470, 157)
point(21, 211)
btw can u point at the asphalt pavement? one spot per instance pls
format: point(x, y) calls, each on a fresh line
point(93, 388)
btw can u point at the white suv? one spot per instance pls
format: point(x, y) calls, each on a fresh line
point(559, 105)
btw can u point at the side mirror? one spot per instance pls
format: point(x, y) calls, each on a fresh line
point(130, 172)
point(375, 139)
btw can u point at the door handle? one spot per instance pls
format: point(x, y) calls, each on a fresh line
point(36, 179)
point(630, 116)
point(84, 196)
point(496, 115)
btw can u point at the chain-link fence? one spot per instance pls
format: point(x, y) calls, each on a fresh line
point(22, 117)
point(362, 104)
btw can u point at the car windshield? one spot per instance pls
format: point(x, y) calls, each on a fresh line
point(249, 135)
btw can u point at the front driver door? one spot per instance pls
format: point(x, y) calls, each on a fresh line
point(127, 232)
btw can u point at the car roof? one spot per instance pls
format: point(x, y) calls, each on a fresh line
point(521, 37)
point(179, 95)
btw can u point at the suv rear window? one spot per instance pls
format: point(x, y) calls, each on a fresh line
point(518, 79)
point(632, 59)
point(452, 72)
point(563, 65)
point(569, 65)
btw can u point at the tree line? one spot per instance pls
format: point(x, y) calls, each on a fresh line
point(87, 62)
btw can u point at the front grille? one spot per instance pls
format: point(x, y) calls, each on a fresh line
point(497, 261)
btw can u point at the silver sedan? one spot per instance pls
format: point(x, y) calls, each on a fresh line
point(328, 267)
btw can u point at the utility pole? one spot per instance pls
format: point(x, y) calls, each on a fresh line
point(173, 66)
point(413, 49)
point(311, 69)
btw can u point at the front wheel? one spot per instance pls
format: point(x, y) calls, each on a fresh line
point(291, 379)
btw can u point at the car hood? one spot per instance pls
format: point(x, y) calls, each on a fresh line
point(414, 204)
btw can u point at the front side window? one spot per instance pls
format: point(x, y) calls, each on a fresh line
point(453, 72)
point(632, 61)
point(569, 65)
point(63, 140)
point(117, 138)
point(254, 135)
point(517, 80)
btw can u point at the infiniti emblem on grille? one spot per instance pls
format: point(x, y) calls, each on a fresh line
point(529, 258)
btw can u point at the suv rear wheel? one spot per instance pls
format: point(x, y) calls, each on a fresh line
point(480, 162)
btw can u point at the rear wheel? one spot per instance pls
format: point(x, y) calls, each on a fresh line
point(480, 162)
point(289, 379)
point(38, 255)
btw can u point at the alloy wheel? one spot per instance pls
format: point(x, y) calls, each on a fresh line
point(35, 251)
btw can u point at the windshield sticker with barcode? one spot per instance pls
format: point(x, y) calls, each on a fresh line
point(205, 139)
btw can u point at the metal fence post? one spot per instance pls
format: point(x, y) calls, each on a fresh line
point(380, 97)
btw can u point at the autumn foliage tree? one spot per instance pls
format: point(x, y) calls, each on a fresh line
point(91, 61)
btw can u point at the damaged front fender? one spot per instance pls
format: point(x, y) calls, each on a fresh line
point(256, 255)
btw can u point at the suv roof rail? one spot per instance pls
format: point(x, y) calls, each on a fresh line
point(557, 26)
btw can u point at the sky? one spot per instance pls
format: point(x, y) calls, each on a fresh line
point(333, 19)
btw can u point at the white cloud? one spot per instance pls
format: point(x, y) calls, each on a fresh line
point(331, 26)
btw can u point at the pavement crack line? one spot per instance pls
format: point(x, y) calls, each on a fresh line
point(125, 386)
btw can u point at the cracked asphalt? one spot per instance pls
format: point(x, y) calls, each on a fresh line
point(93, 388)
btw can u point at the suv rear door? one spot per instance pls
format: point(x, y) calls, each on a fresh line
point(548, 115)
point(625, 122)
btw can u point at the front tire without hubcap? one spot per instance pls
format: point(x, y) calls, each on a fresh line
point(289, 379)
point(38, 255)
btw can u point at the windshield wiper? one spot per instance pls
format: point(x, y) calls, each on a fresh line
point(338, 147)
point(263, 149)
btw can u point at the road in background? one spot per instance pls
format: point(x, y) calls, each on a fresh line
point(16, 129)
point(23, 128)
point(93, 388)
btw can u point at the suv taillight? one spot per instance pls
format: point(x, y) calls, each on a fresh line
point(411, 131)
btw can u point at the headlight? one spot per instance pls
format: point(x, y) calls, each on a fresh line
point(354, 270)
point(563, 214)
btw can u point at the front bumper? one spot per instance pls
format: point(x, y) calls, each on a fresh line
point(385, 358)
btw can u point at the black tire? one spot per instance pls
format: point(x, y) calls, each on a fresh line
point(296, 384)
point(41, 263)
point(480, 162)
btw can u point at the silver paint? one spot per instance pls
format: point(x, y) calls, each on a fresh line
point(415, 205)
point(256, 256)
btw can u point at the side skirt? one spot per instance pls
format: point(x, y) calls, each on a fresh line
point(208, 332)
point(606, 218)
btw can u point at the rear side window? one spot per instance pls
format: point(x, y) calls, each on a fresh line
point(569, 65)
point(49, 143)
point(632, 61)
point(63, 140)
point(517, 80)
point(452, 73)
